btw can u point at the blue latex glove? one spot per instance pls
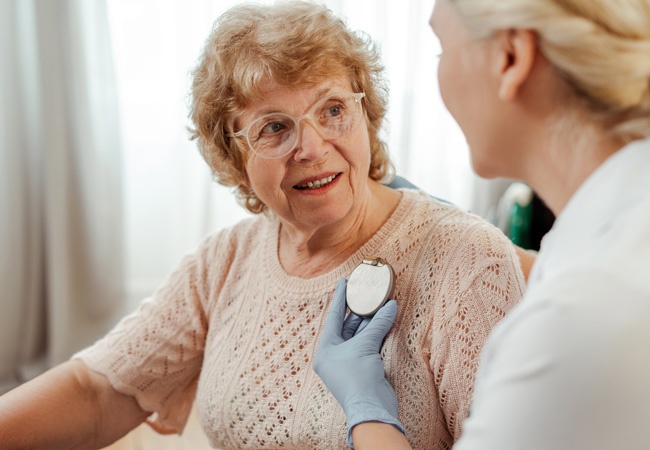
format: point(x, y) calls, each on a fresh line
point(349, 363)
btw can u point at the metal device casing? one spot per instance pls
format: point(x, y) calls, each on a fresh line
point(370, 285)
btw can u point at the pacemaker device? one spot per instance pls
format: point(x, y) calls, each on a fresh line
point(370, 285)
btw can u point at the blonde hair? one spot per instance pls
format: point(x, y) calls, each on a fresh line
point(294, 44)
point(600, 47)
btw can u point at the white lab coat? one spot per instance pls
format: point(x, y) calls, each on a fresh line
point(569, 368)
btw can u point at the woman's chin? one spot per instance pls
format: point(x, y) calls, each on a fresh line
point(487, 170)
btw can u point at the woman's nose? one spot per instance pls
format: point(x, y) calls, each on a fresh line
point(311, 145)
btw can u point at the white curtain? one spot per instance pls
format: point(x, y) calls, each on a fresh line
point(61, 233)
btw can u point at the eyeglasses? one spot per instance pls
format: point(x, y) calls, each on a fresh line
point(275, 135)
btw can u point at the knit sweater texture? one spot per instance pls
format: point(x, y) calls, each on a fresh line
point(232, 332)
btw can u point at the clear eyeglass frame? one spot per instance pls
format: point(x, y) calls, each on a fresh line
point(283, 142)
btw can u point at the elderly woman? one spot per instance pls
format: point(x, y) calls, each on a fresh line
point(287, 104)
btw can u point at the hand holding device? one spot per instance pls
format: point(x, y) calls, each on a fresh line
point(349, 363)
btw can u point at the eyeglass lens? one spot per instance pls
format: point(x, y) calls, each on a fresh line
point(275, 135)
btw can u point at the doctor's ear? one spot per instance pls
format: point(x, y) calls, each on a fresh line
point(517, 50)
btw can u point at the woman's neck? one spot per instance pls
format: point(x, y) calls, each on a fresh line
point(564, 163)
point(309, 253)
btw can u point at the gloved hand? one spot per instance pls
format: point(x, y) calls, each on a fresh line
point(349, 363)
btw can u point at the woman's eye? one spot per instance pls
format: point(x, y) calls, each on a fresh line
point(272, 128)
point(334, 110)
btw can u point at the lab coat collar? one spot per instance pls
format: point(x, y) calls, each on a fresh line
point(621, 181)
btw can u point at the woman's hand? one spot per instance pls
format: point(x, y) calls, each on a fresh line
point(349, 363)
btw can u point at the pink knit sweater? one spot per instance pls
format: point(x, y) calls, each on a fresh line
point(231, 322)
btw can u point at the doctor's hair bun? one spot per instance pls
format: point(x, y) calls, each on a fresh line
point(600, 47)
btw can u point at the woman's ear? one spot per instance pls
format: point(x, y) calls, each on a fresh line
point(517, 56)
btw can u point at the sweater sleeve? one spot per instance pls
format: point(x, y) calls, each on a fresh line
point(482, 282)
point(155, 354)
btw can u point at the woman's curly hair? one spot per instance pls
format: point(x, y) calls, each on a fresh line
point(293, 44)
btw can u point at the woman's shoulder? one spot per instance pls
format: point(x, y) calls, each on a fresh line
point(443, 215)
point(465, 239)
point(237, 237)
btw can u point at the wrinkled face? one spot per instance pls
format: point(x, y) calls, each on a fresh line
point(322, 180)
point(469, 88)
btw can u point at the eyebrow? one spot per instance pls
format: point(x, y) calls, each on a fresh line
point(322, 93)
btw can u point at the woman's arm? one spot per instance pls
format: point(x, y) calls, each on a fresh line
point(378, 436)
point(527, 259)
point(68, 407)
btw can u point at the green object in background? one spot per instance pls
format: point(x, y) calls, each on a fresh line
point(516, 206)
point(521, 219)
point(522, 216)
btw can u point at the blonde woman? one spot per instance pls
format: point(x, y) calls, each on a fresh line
point(555, 93)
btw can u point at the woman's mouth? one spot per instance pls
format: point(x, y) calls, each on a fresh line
point(317, 183)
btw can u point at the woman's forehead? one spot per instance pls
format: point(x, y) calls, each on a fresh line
point(291, 99)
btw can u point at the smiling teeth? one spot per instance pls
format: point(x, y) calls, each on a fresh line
point(317, 183)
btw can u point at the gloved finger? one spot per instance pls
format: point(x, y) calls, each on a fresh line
point(334, 322)
point(380, 324)
point(364, 323)
point(351, 326)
